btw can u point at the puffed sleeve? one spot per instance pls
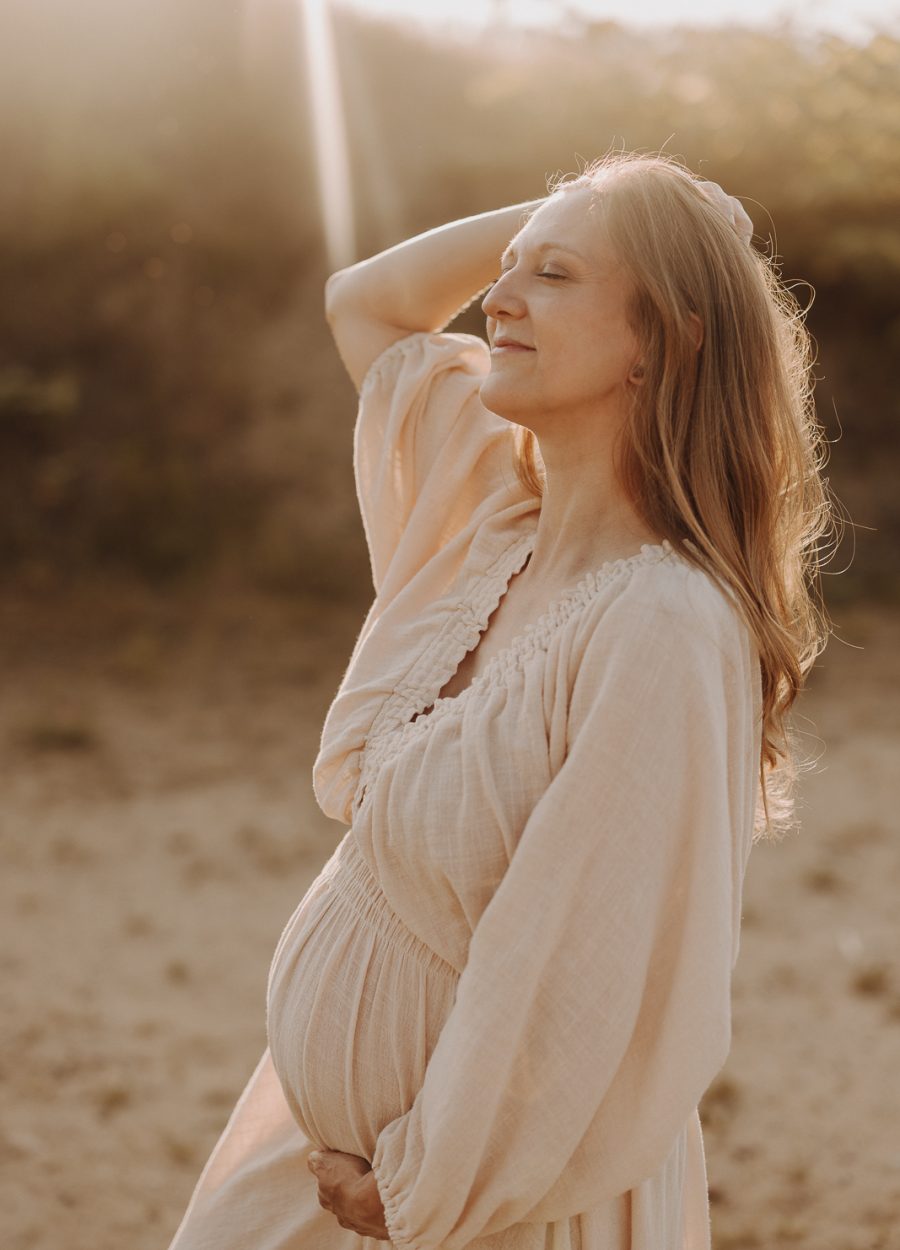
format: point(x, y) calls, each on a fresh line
point(426, 453)
point(594, 1009)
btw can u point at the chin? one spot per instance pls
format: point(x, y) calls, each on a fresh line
point(501, 401)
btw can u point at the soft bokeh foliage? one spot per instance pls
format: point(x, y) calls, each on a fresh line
point(170, 402)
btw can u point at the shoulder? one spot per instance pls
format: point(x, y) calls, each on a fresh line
point(687, 597)
point(661, 641)
point(664, 607)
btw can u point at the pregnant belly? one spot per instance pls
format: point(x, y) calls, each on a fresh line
point(356, 1003)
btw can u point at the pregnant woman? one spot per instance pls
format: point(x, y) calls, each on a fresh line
point(493, 1015)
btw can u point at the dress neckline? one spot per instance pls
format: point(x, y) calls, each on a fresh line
point(538, 631)
point(479, 641)
point(467, 619)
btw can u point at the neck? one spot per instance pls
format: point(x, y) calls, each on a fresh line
point(585, 519)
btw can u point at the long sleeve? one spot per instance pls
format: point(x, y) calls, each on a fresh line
point(435, 478)
point(594, 1008)
point(427, 455)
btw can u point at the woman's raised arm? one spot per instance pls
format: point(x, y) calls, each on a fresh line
point(420, 284)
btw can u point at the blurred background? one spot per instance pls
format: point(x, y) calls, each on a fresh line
point(183, 571)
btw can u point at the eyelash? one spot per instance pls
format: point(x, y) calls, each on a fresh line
point(557, 276)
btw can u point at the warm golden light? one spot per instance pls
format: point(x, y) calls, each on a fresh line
point(329, 133)
point(851, 18)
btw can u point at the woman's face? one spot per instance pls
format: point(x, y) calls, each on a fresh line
point(561, 298)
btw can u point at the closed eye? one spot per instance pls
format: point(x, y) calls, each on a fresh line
point(503, 272)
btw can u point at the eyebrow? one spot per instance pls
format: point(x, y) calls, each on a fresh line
point(546, 247)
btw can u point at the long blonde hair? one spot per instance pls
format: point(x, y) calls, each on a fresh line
point(721, 452)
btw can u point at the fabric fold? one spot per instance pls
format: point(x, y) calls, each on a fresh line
point(594, 1008)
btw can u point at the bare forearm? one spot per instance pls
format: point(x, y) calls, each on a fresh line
point(422, 283)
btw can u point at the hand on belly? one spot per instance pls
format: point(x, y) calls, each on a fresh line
point(347, 1189)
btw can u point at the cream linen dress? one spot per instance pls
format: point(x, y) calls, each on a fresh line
point(509, 986)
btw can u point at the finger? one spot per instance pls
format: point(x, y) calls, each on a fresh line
point(324, 1197)
point(353, 1227)
point(743, 223)
point(341, 1159)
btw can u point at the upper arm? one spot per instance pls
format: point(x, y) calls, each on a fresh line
point(359, 337)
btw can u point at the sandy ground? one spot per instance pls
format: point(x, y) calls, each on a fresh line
point(158, 827)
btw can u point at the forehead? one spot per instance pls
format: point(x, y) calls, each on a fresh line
point(570, 218)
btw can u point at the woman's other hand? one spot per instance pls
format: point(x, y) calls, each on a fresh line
point(347, 1189)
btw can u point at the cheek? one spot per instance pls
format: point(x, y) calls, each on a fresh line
point(622, 343)
point(604, 356)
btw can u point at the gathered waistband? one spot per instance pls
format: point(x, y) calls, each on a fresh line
point(351, 880)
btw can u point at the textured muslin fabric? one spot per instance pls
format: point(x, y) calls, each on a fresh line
point(510, 985)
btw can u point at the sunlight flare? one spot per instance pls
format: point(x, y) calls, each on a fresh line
point(332, 159)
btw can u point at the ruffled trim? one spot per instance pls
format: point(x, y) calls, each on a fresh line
point(467, 621)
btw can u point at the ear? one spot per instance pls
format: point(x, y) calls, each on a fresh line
point(636, 376)
point(696, 330)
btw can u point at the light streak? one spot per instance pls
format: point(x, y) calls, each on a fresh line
point(329, 134)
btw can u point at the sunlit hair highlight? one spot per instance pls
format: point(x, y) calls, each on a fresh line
point(721, 452)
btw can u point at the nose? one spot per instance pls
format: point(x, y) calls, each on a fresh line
point(503, 300)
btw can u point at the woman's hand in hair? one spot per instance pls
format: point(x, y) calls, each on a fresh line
point(731, 208)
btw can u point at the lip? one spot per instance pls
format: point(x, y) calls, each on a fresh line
point(503, 344)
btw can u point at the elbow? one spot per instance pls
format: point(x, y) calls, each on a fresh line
point(332, 297)
point(345, 297)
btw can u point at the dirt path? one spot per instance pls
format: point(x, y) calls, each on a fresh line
point(158, 827)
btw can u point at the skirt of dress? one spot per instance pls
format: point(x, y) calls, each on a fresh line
point(356, 1003)
point(256, 1192)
